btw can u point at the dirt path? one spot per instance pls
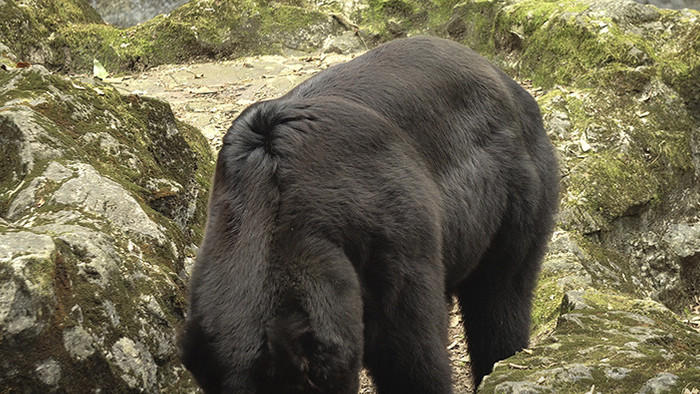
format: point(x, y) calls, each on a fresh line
point(211, 95)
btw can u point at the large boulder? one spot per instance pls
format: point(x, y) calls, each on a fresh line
point(26, 30)
point(102, 201)
point(623, 82)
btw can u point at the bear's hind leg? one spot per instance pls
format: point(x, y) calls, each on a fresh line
point(405, 350)
point(496, 301)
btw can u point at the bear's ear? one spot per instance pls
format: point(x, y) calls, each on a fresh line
point(290, 344)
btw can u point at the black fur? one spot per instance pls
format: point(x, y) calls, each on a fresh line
point(344, 214)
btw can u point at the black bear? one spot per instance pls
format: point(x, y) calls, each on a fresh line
point(345, 214)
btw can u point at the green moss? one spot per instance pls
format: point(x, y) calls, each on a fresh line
point(198, 30)
point(206, 164)
point(559, 52)
point(613, 331)
point(10, 162)
point(290, 19)
point(679, 56)
point(384, 20)
point(640, 151)
point(469, 22)
point(77, 119)
point(26, 29)
point(547, 299)
point(558, 42)
point(611, 183)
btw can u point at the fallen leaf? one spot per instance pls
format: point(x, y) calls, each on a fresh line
point(202, 90)
point(585, 146)
point(98, 70)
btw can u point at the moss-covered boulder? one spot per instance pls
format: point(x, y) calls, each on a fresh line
point(26, 30)
point(102, 201)
point(204, 29)
point(622, 107)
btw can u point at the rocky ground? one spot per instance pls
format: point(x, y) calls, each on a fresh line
point(210, 95)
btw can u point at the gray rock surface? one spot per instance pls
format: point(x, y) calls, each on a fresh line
point(673, 4)
point(624, 340)
point(130, 12)
point(664, 382)
point(101, 196)
point(49, 372)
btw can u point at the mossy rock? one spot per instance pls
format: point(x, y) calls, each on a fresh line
point(621, 153)
point(28, 29)
point(102, 198)
point(612, 44)
point(69, 40)
point(607, 343)
point(132, 139)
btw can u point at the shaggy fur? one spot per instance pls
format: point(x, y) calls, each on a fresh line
point(344, 215)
